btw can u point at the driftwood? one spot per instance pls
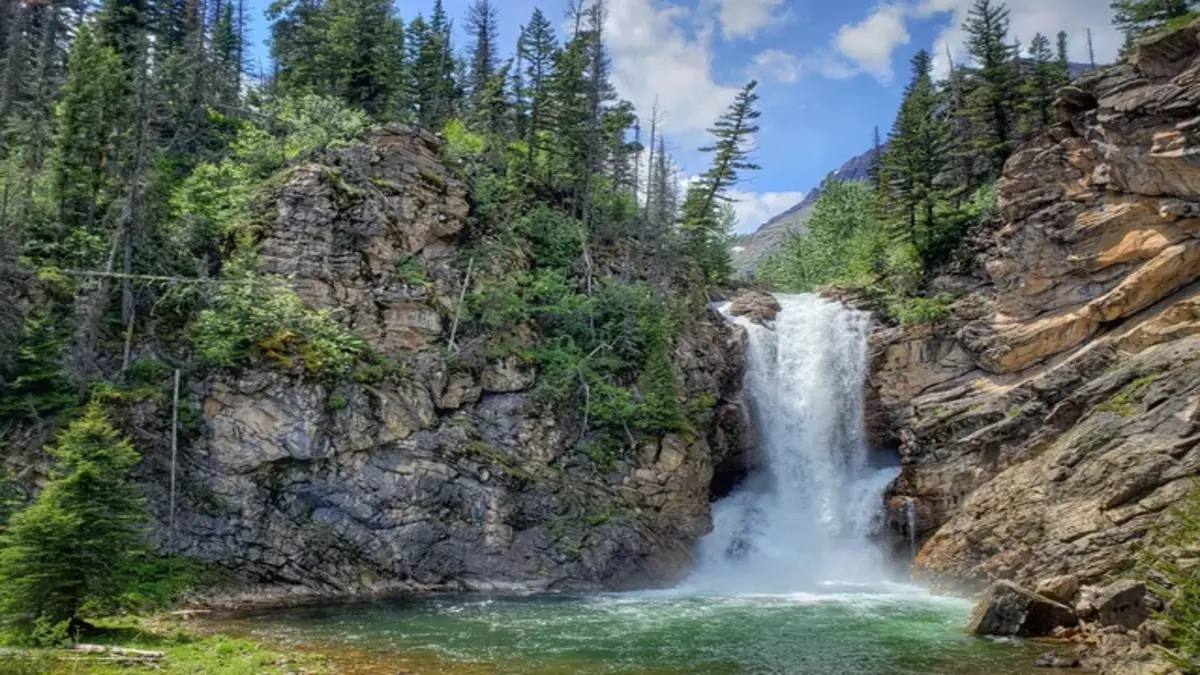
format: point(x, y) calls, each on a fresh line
point(120, 652)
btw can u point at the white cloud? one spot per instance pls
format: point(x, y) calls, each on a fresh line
point(867, 47)
point(654, 59)
point(746, 18)
point(869, 44)
point(755, 208)
point(1029, 17)
point(777, 65)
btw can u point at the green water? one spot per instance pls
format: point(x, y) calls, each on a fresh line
point(889, 631)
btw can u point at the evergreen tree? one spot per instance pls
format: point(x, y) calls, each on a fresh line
point(299, 29)
point(1135, 18)
point(917, 156)
point(875, 165)
point(707, 232)
point(993, 100)
point(432, 86)
point(66, 550)
point(1041, 84)
point(365, 47)
point(538, 51)
point(482, 20)
point(1062, 53)
point(94, 102)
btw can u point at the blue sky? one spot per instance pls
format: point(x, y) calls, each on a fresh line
point(829, 70)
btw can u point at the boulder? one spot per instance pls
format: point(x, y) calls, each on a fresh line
point(1061, 588)
point(1123, 603)
point(1008, 609)
point(756, 306)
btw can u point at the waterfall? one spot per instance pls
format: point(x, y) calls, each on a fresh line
point(804, 520)
point(910, 518)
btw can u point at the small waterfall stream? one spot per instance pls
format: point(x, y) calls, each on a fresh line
point(805, 520)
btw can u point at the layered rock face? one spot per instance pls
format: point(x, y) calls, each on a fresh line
point(1049, 424)
point(435, 474)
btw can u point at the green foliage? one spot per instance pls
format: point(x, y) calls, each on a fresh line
point(64, 554)
point(259, 315)
point(1172, 575)
point(36, 385)
point(845, 243)
point(338, 402)
point(93, 106)
point(1122, 403)
point(557, 241)
point(1136, 18)
point(461, 144)
point(317, 123)
point(920, 310)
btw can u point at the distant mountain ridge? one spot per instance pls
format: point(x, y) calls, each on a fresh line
point(751, 250)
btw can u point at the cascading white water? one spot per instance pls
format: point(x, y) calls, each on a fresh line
point(804, 521)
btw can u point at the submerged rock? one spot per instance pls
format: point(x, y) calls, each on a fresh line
point(1057, 661)
point(1008, 609)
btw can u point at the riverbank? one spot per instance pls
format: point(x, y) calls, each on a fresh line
point(184, 649)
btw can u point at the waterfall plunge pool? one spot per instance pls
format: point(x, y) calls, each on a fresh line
point(838, 630)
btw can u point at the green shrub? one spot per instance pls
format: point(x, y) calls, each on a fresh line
point(338, 402)
point(556, 239)
point(921, 310)
point(259, 315)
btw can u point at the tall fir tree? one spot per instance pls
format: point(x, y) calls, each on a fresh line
point(91, 114)
point(917, 156)
point(482, 26)
point(1041, 83)
point(539, 54)
point(365, 51)
point(993, 101)
point(67, 550)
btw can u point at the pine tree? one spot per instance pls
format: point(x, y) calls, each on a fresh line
point(917, 156)
point(992, 103)
point(703, 224)
point(364, 47)
point(94, 103)
point(875, 165)
point(299, 29)
point(538, 50)
point(482, 20)
point(1041, 83)
point(432, 86)
point(66, 550)
point(1063, 54)
point(1135, 18)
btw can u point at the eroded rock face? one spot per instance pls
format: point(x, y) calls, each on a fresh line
point(436, 474)
point(1049, 424)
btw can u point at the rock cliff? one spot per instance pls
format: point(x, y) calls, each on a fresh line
point(433, 472)
point(1047, 425)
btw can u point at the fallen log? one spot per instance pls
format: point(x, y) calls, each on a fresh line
point(119, 651)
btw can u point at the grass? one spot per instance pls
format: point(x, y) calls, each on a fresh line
point(1122, 403)
point(187, 653)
